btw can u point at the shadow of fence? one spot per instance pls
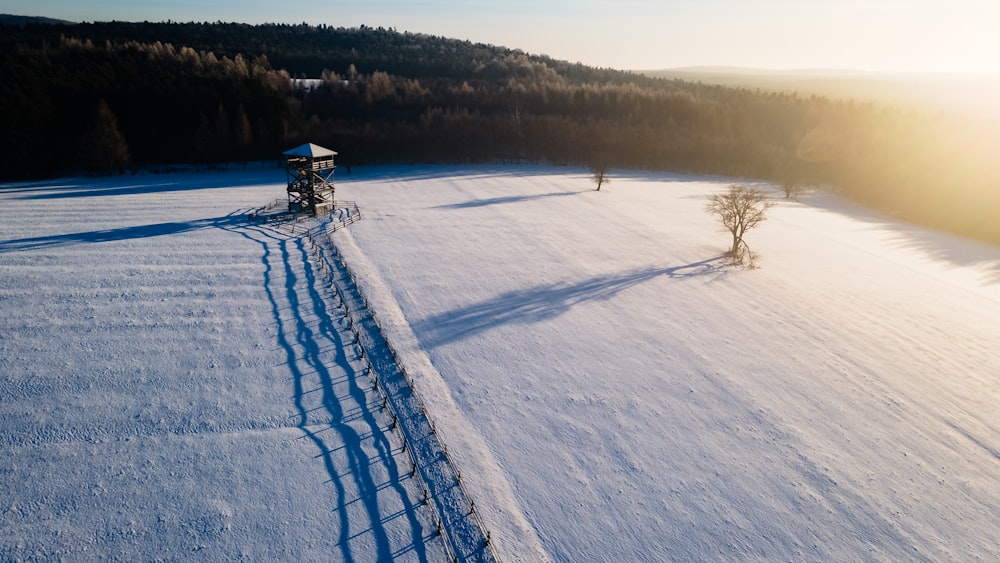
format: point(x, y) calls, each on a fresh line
point(337, 410)
point(457, 519)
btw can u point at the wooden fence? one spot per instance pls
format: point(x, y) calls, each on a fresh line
point(329, 260)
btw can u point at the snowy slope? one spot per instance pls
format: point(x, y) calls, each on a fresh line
point(175, 384)
point(647, 402)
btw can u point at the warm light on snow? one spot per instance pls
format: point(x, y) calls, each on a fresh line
point(646, 399)
point(174, 381)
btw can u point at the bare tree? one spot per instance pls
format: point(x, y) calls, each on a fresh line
point(739, 209)
point(792, 188)
point(600, 174)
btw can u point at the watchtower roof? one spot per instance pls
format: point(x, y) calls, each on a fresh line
point(310, 150)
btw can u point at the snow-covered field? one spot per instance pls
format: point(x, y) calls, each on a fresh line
point(648, 403)
point(174, 382)
point(175, 385)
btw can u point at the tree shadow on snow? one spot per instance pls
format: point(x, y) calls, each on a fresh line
point(548, 301)
point(502, 200)
point(411, 173)
point(123, 233)
point(937, 245)
point(136, 185)
point(416, 172)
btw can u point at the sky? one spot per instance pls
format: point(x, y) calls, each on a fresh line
point(953, 36)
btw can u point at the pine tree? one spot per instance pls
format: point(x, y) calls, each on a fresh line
point(104, 150)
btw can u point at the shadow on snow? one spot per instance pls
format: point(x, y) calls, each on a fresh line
point(502, 200)
point(938, 245)
point(136, 185)
point(366, 485)
point(546, 301)
point(123, 233)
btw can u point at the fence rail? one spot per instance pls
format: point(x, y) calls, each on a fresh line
point(342, 214)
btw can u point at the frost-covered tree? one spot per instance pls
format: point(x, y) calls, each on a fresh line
point(739, 209)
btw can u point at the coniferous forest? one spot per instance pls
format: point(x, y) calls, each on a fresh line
point(105, 98)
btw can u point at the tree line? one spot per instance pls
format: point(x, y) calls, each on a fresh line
point(105, 96)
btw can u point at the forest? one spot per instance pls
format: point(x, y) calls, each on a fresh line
point(103, 98)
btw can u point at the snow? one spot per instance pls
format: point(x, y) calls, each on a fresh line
point(647, 402)
point(178, 382)
point(174, 384)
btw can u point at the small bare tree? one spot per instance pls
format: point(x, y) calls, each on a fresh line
point(599, 173)
point(792, 188)
point(739, 209)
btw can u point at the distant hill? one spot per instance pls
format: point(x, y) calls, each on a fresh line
point(11, 19)
point(163, 93)
point(961, 92)
point(306, 51)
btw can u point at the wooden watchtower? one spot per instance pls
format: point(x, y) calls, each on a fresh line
point(310, 179)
